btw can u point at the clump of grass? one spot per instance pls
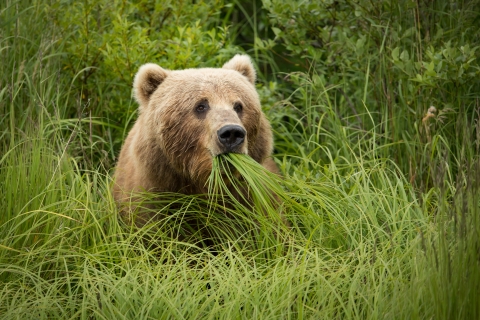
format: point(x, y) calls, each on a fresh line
point(250, 198)
point(245, 208)
point(250, 186)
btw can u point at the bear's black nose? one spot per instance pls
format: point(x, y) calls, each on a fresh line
point(231, 136)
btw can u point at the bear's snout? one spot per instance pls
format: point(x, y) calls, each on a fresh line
point(231, 136)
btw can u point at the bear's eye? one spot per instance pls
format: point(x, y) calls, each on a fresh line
point(238, 107)
point(201, 107)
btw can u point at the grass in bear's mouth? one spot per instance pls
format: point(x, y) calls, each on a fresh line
point(225, 167)
point(239, 182)
point(241, 177)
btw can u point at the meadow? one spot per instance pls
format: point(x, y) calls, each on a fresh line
point(375, 108)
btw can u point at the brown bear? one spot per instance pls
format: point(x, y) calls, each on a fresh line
point(186, 118)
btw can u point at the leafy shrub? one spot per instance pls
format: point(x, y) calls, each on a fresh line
point(384, 65)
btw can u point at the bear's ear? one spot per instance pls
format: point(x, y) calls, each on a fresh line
point(146, 81)
point(242, 64)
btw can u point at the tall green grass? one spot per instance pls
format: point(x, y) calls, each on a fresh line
point(342, 233)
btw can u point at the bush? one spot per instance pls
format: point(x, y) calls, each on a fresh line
point(384, 65)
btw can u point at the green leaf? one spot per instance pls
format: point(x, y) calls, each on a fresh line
point(404, 56)
point(277, 31)
point(395, 53)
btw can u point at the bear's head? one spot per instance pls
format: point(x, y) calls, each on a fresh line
point(193, 115)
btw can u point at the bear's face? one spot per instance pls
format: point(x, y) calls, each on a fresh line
point(194, 115)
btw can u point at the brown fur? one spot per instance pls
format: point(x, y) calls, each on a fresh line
point(171, 146)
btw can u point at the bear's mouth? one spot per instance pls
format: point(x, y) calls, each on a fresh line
point(220, 152)
point(225, 167)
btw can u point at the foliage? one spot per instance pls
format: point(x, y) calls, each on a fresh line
point(112, 39)
point(384, 65)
